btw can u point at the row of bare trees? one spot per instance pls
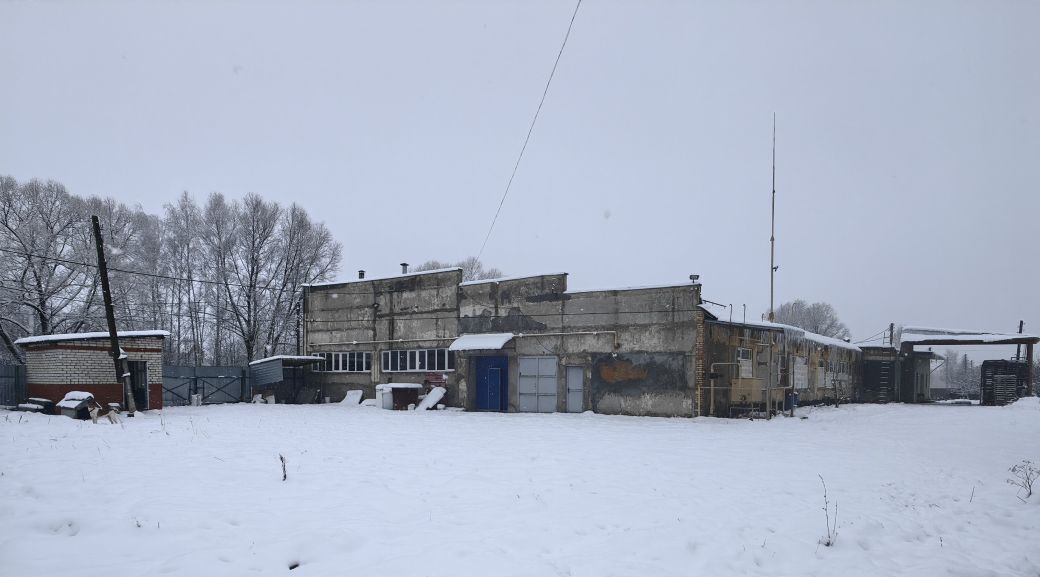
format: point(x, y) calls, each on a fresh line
point(960, 374)
point(224, 278)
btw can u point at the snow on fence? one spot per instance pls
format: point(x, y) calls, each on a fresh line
point(12, 385)
point(228, 384)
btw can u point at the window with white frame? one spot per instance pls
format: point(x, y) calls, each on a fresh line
point(417, 360)
point(746, 371)
point(350, 362)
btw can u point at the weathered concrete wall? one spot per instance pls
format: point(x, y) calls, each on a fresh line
point(415, 311)
point(654, 384)
point(653, 330)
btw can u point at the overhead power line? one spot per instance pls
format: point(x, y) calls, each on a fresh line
point(133, 272)
point(530, 129)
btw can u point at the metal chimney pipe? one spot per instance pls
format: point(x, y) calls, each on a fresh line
point(361, 273)
point(404, 268)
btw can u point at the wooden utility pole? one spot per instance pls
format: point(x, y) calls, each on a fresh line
point(1030, 368)
point(121, 366)
point(1018, 347)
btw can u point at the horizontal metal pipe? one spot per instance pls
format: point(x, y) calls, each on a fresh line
point(516, 335)
point(378, 342)
point(594, 333)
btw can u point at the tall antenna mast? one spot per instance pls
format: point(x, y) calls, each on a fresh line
point(772, 231)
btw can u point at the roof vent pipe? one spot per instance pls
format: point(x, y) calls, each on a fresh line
point(361, 274)
point(404, 268)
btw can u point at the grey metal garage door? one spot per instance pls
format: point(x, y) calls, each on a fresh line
point(537, 386)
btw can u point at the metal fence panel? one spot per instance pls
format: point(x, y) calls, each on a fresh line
point(12, 385)
point(225, 384)
point(177, 385)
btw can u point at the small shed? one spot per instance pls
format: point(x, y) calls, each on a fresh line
point(285, 378)
point(881, 375)
point(60, 364)
point(1003, 381)
point(915, 386)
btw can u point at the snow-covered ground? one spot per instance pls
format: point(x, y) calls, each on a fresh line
point(920, 490)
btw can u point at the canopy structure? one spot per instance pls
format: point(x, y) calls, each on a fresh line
point(290, 360)
point(483, 342)
point(933, 336)
point(928, 336)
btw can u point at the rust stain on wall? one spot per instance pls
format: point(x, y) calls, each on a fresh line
point(619, 371)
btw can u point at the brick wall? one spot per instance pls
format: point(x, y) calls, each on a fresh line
point(55, 368)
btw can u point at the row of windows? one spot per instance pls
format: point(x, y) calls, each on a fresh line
point(353, 362)
point(418, 360)
point(744, 354)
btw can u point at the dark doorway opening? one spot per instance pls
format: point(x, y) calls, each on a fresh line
point(139, 383)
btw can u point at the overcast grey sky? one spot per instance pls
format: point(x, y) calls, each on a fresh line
point(908, 153)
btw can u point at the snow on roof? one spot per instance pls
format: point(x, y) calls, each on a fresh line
point(87, 336)
point(952, 336)
point(482, 342)
point(792, 330)
point(830, 341)
point(303, 358)
point(74, 399)
point(370, 279)
point(508, 278)
point(392, 386)
point(686, 284)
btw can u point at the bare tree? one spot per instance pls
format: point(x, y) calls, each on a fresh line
point(45, 242)
point(226, 279)
point(472, 268)
point(819, 318)
point(307, 253)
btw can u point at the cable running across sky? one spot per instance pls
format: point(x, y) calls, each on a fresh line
point(529, 131)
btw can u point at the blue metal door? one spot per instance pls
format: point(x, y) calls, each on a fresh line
point(492, 383)
point(494, 387)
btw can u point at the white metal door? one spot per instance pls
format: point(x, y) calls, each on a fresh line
point(575, 389)
point(537, 388)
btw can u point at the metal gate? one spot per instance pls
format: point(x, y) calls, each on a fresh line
point(12, 385)
point(537, 386)
point(215, 384)
point(575, 389)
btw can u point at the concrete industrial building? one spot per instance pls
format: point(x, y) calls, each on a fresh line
point(543, 349)
point(530, 344)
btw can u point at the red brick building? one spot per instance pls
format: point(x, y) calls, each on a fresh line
point(58, 364)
